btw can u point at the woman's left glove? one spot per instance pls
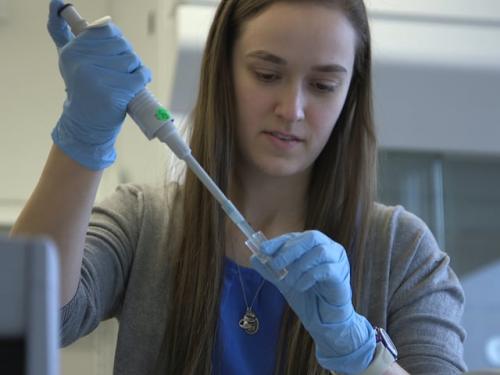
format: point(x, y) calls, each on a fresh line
point(317, 288)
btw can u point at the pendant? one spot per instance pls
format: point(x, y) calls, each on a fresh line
point(249, 323)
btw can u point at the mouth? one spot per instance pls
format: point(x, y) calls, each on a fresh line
point(285, 137)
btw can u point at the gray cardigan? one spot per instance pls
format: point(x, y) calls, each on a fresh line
point(407, 285)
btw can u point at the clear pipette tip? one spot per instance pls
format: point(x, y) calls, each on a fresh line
point(253, 243)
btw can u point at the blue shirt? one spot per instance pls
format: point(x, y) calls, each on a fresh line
point(235, 351)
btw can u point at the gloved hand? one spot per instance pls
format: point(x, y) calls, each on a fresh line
point(317, 288)
point(102, 75)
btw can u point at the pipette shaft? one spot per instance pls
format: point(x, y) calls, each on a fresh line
point(156, 122)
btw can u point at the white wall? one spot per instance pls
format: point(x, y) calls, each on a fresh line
point(31, 96)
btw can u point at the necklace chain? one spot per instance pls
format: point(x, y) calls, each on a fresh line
point(249, 323)
point(244, 292)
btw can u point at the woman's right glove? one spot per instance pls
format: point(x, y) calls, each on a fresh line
point(102, 75)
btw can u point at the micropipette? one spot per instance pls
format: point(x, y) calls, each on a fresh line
point(156, 122)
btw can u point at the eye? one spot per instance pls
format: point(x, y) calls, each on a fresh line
point(324, 87)
point(266, 76)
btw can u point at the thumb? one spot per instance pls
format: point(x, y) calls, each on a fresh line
point(58, 28)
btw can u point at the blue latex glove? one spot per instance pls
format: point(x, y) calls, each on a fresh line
point(57, 26)
point(102, 75)
point(318, 290)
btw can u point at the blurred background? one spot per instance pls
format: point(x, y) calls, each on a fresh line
point(437, 105)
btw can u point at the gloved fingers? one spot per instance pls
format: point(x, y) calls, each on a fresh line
point(302, 260)
point(57, 26)
point(310, 259)
point(333, 274)
point(334, 314)
point(140, 78)
point(272, 246)
point(109, 91)
point(291, 251)
point(132, 83)
point(287, 286)
point(111, 53)
point(100, 47)
point(335, 291)
point(102, 41)
point(124, 63)
point(295, 246)
point(122, 72)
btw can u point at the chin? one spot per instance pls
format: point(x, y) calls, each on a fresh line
point(274, 167)
point(283, 169)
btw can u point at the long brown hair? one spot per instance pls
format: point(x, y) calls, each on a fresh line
point(339, 199)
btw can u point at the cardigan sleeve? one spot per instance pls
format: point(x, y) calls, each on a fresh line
point(424, 299)
point(109, 250)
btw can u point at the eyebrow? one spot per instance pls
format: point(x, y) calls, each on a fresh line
point(266, 56)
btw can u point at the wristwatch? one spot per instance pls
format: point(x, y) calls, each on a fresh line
point(382, 337)
point(385, 353)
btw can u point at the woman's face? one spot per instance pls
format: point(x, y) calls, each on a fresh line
point(292, 67)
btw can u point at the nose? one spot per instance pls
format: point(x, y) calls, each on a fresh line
point(290, 104)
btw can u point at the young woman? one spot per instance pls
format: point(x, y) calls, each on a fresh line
point(284, 125)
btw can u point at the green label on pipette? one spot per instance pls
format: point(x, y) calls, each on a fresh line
point(162, 114)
